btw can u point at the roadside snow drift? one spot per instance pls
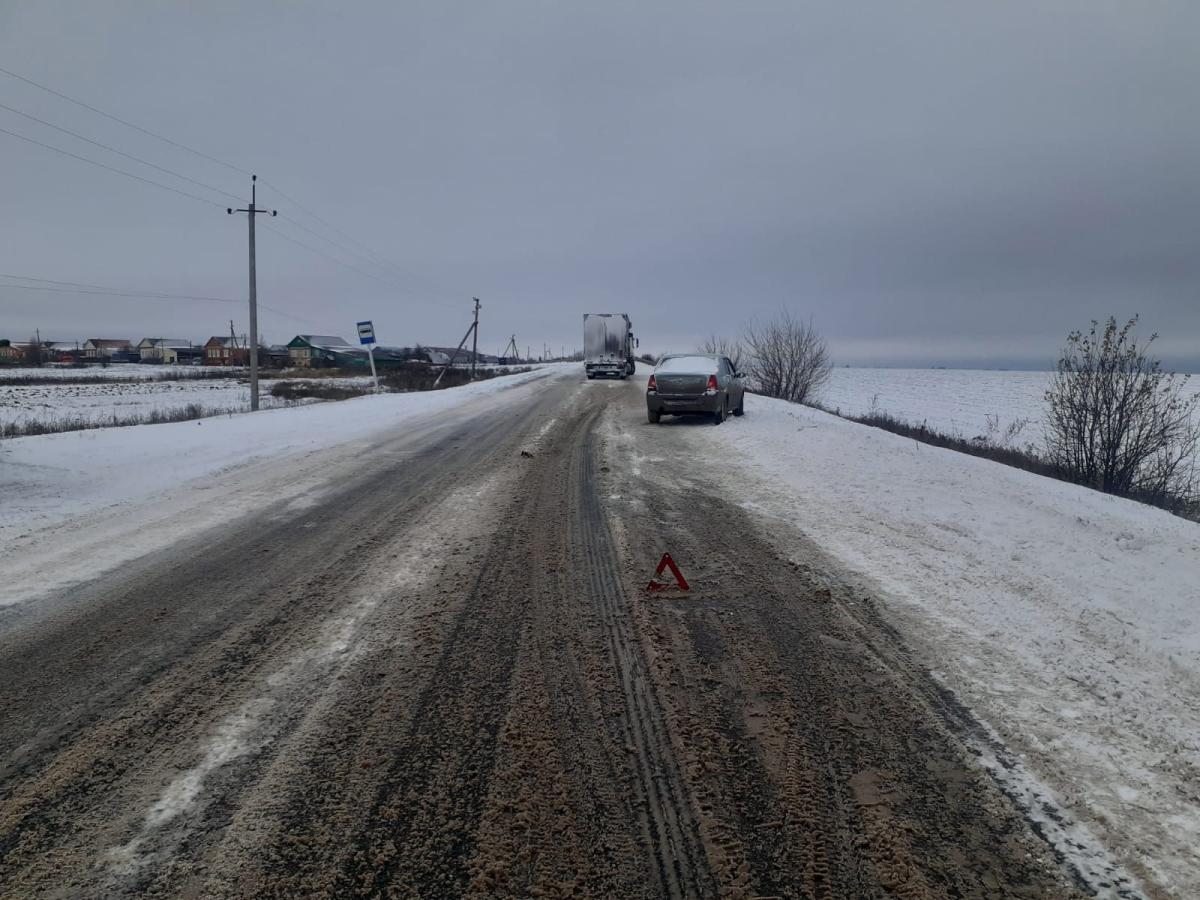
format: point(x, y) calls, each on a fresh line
point(1068, 620)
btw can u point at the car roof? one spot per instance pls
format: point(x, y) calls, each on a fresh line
point(689, 363)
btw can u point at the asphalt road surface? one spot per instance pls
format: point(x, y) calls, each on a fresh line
point(440, 677)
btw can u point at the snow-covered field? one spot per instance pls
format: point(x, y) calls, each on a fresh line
point(101, 402)
point(1066, 619)
point(61, 404)
point(124, 371)
point(953, 401)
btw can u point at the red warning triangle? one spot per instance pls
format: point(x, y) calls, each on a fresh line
point(664, 564)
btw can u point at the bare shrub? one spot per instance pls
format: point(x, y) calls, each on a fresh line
point(35, 352)
point(786, 358)
point(730, 348)
point(423, 376)
point(998, 435)
point(1118, 423)
point(316, 390)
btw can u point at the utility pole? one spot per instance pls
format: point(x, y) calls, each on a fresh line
point(251, 213)
point(475, 340)
point(473, 328)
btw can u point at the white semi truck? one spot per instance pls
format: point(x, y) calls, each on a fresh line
point(608, 344)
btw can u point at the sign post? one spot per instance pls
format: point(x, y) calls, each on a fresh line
point(366, 335)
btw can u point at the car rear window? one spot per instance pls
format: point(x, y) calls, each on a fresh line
point(688, 365)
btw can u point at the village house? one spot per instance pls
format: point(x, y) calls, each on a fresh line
point(182, 356)
point(277, 356)
point(60, 352)
point(152, 349)
point(63, 352)
point(430, 355)
point(442, 356)
point(319, 351)
point(108, 349)
point(13, 354)
point(225, 351)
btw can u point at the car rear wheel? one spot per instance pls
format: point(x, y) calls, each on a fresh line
point(741, 407)
point(653, 416)
point(719, 415)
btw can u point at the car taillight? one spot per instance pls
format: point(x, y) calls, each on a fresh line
point(651, 386)
point(712, 384)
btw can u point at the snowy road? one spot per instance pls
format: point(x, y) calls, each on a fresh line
point(432, 672)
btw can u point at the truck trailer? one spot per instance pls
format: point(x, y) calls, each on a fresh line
point(608, 344)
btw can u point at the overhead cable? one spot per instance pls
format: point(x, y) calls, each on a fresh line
point(124, 122)
point(157, 184)
point(136, 159)
point(75, 287)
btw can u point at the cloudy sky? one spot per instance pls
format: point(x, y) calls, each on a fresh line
point(933, 182)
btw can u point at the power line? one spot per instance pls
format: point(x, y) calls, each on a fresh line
point(132, 295)
point(370, 255)
point(376, 258)
point(101, 287)
point(333, 259)
point(329, 240)
point(76, 287)
point(128, 124)
point(367, 254)
point(136, 159)
point(158, 184)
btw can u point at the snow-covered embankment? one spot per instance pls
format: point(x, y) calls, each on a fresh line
point(1066, 619)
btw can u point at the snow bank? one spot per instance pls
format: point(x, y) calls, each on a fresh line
point(1065, 618)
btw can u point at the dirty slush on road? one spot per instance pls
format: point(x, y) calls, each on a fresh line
point(486, 704)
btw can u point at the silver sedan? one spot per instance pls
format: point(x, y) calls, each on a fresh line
point(695, 384)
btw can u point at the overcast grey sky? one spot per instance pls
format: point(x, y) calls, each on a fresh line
point(934, 183)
